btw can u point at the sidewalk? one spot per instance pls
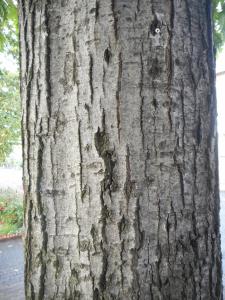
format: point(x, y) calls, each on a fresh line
point(11, 270)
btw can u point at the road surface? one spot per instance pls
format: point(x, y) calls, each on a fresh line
point(11, 270)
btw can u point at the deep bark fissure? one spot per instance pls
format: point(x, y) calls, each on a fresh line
point(120, 70)
point(142, 99)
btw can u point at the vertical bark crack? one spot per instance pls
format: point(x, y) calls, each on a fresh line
point(115, 19)
point(128, 185)
point(91, 77)
point(170, 62)
point(142, 99)
point(81, 159)
point(119, 78)
point(108, 185)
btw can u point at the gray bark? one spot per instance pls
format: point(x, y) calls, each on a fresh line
point(120, 150)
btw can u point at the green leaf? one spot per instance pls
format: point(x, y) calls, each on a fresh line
point(218, 7)
point(9, 112)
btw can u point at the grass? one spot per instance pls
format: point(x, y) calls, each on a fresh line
point(11, 212)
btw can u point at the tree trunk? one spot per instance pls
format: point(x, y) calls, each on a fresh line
point(120, 150)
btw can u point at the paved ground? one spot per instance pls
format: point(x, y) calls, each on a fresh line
point(11, 263)
point(11, 270)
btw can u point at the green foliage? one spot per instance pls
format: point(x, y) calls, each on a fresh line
point(9, 28)
point(9, 113)
point(218, 7)
point(11, 212)
point(9, 82)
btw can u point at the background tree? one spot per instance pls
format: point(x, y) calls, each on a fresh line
point(9, 28)
point(120, 150)
point(219, 23)
point(10, 113)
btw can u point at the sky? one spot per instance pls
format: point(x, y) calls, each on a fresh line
point(7, 62)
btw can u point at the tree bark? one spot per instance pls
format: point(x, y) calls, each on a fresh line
point(120, 150)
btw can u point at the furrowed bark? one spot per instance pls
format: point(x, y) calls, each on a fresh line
point(120, 150)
